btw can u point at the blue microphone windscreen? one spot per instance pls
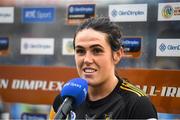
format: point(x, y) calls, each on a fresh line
point(75, 88)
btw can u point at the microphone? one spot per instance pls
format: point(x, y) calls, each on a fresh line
point(73, 94)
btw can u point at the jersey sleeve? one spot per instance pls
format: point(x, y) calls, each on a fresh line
point(143, 109)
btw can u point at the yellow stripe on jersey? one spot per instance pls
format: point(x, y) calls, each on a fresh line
point(134, 88)
point(129, 87)
point(124, 88)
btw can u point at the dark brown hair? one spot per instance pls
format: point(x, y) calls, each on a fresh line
point(103, 24)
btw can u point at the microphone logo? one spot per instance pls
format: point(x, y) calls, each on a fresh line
point(85, 91)
point(77, 86)
point(72, 85)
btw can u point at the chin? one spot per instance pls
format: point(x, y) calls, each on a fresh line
point(92, 83)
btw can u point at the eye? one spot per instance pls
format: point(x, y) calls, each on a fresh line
point(80, 51)
point(97, 50)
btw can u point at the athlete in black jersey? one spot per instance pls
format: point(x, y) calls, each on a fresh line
point(125, 101)
point(98, 49)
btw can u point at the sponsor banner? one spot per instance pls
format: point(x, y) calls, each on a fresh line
point(37, 15)
point(77, 13)
point(6, 14)
point(162, 86)
point(33, 116)
point(41, 83)
point(168, 47)
point(44, 83)
point(37, 46)
point(4, 45)
point(169, 11)
point(132, 46)
point(128, 13)
point(67, 48)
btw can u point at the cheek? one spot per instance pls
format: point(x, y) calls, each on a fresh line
point(106, 62)
point(78, 62)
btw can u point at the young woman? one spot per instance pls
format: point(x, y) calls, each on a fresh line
point(98, 48)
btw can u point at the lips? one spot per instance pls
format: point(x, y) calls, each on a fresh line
point(89, 70)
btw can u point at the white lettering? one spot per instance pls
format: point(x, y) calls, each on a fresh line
point(21, 84)
point(29, 84)
point(171, 91)
point(83, 9)
point(85, 91)
point(131, 42)
point(152, 91)
point(43, 15)
point(57, 85)
point(37, 85)
point(163, 91)
point(145, 88)
point(178, 93)
point(75, 85)
point(30, 14)
point(15, 84)
point(3, 83)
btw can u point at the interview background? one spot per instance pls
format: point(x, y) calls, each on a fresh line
point(15, 65)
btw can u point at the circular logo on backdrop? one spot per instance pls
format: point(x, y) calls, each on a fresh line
point(26, 45)
point(114, 13)
point(71, 9)
point(69, 46)
point(167, 11)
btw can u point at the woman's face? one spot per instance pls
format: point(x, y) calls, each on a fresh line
point(93, 57)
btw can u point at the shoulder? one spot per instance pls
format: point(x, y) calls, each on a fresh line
point(137, 102)
point(131, 95)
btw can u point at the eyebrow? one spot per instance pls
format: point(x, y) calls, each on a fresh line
point(95, 45)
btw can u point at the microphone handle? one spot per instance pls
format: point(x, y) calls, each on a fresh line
point(64, 109)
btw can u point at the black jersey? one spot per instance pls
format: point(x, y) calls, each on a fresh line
point(124, 102)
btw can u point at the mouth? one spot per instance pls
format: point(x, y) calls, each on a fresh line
point(89, 70)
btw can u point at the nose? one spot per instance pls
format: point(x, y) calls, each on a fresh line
point(88, 58)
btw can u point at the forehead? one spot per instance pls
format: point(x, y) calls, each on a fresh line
point(90, 36)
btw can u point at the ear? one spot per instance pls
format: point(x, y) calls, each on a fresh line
point(117, 55)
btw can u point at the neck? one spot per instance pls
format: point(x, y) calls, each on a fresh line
point(101, 91)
